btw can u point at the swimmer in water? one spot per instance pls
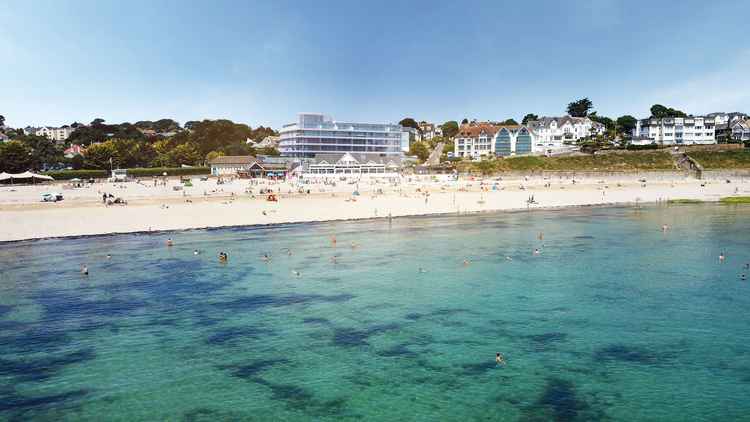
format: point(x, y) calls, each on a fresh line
point(109, 256)
point(721, 257)
point(296, 273)
point(466, 262)
point(223, 257)
point(747, 266)
point(499, 359)
point(536, 252)
point(664, 228)
point(195, 252)
point(422, 270)
point(743, 277)
point(266, 258)
point(333, 240)
point(84, 270)
point(354, 245)
point(169, 242)
point(541, 236)
point(507, 258)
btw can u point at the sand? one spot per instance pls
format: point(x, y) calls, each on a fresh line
point(210, 205)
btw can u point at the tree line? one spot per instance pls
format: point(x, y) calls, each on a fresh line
point(124, 145)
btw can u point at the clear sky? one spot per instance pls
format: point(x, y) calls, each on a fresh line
point(372, 61)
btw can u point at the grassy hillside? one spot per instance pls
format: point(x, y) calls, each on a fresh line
point(710, 160)
point(632, 161)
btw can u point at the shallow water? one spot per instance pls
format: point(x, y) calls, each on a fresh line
point(613, 321)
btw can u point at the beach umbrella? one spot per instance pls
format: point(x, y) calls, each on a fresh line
point(75, 179)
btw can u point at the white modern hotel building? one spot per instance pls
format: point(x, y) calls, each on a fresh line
point(315, 133)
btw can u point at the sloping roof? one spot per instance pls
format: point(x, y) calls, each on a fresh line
point(476, 129)
point(234, 159)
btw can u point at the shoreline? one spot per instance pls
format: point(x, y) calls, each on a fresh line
point(163, 210)
point(323, 221)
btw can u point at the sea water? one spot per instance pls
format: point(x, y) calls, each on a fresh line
point(612, 320)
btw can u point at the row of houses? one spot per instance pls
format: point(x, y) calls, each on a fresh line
point(692, 130)
point(548, 135)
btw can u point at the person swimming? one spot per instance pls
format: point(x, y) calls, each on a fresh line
point(422, 270)
point(265, 257)
point(507, 258)
point(296, 273)
point(499, 359)
point(84, 269)
point(169, 242)
point(722, 257)
point(223, 257)
point(541, 236)
point(109, 256)
point(195, 252)
point(536, 251)
point(333, 259)
point(354, 245)
point(466, 262)
point(333, 240)
point(743, 277)
point(747, 266)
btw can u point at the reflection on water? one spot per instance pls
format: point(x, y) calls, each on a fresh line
point(613, 320)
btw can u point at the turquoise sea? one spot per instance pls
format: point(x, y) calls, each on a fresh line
point(613, 320)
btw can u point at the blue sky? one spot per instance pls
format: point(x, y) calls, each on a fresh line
point(374, 61)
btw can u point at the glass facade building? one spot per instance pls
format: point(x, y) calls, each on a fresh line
point(319, 134)
point(523, 141)
point(502, 143)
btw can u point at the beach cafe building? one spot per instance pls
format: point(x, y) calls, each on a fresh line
point(352, 165)
point(246, 166)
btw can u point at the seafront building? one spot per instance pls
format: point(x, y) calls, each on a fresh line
point(314, 133)
point(554, 133)
point(696, 130)
point(352, 165)
point(724, 122)
point(740, 130)
point(247, 166)
point(430, 130)
point(476, 140)
point(57, 134)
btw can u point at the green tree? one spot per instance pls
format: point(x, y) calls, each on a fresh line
point(187, 154)
point(44, 152)
point(213, 154)
point(608, 123)
point(97, 156)
point(580, 108)
point(76, 162)
point(450, 129)
point(409, 122)
point(420, 150)
point(509, 122)
point(528, 118)
point(2, 120)
point(213, 135)
point(465, 121)
point(626, 124)
point(15, 157)
point(658, 111)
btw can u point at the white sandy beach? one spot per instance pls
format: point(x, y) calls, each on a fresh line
point(207, 204)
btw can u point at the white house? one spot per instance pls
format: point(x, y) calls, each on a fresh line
point(57, 134)
point(675, 131)
point(553, 133)
point(741, 130)
point(430, 130)
point(475, 140)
